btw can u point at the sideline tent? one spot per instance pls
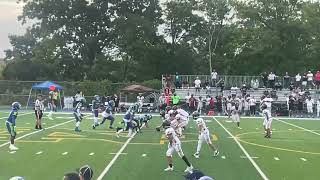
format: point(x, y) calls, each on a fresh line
point(46, 87)
point(138, 89)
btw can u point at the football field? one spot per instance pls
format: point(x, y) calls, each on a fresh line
point(293, 152)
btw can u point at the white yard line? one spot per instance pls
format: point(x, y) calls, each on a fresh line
point(105, 171)
point(299, 127)
point(18, 115)
point(264, 177)
point(35, 132)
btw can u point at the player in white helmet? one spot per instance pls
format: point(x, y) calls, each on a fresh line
point(204, 136)
point(175, 145)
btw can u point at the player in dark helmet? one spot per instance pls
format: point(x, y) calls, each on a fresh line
point(195, 115)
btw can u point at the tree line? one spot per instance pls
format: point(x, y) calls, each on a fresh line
point(136, 40)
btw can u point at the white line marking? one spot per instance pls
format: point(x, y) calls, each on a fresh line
point(208, 121)
point(223, 157)
point(264, 177)
point(276, 158)
point(245, 157)
point(38, 153)
point(27, 123)
point(35, 132)
point(65, 153)
point(12, 152)
point(290, 129)
point(120, 153)
point(144, 155)
point(91, 154)
point(105, 171)
point(303, 159)
point(298, 127)
point(18, 115)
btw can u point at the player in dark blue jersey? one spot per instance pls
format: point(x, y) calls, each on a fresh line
point(127, 121)
point(96, 103)
point(108, 113)
point(11, 124)
point(77, 113)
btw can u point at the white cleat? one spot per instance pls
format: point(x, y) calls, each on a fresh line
point(168, 169)
point(189, 169)
point(13, 148)
point(117, 134)
point(196, 155)
point(216, 153)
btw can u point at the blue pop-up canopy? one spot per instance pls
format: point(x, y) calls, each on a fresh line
point(46, 85)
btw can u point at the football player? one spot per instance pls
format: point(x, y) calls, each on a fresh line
point(108, 114)
point(38, 110)
point(127, 121)
point(95, 109)
point(267, 120)
point(204, 136)
point(11, 124)
point(140, 100)
point(235, 114)
point(77, 113)
point(165, 119)
point(175, 145)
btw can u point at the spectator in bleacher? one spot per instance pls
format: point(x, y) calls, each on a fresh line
point(175, 99)
point(177, 82)
point(200, 105)
point(252, 104)
point(211, 104)
point(192, 104)
point(214, 76)
point(304, 81)
point(221, 85)
point(244, 89)
point(317, 79)
point(197, 84)
point(309, 80)
point(219, 104)
point(254, 83)
point(167, 91)
point(300, 105)
point(264, 77)
point(291, 86)
point(298, 80)
point(271, 79)
point(278, 86)
point(208, 88)
point(162, 102)
point(286, 81)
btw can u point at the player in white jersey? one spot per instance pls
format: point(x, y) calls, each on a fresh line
point(175, 145)
point(268, 102)
point(309, 103)
point(184, 116)
point(204, 136)
point(235, 114)
point(140, 100)
point(267, 120)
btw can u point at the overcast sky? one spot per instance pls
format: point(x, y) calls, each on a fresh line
point(9, 11)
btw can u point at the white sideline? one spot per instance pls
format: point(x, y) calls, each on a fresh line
point(264, 177)
point(105, 171)
point(299, 127)
point(35, 132)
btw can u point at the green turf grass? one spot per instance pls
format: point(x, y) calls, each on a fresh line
point(51, 164)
